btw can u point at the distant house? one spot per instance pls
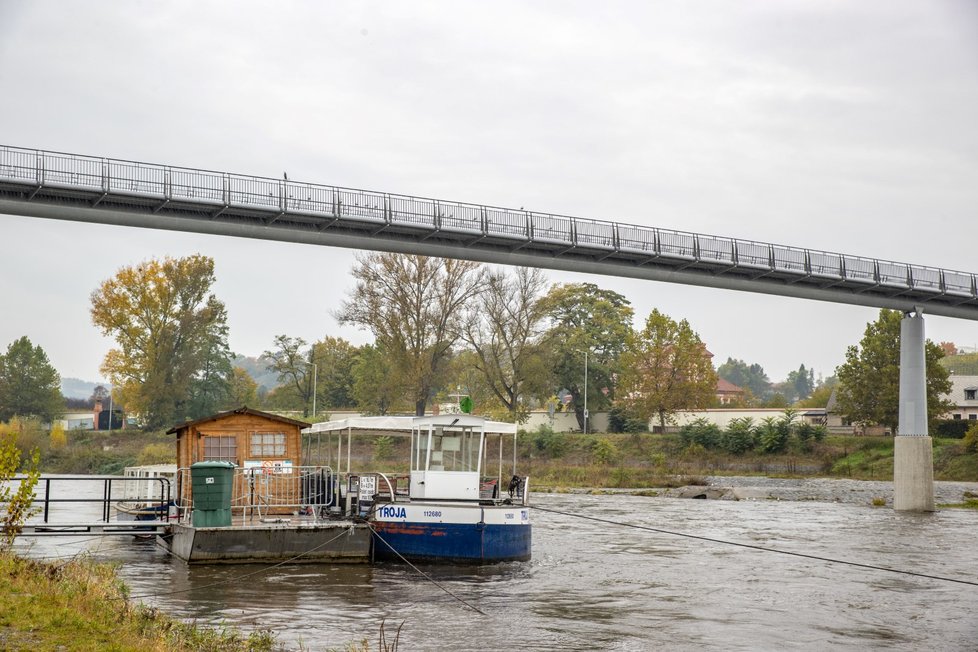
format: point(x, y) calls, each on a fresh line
point(728, 393)
point(964, 395)
point(77, 420)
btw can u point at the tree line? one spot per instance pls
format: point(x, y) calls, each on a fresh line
point(441, 328)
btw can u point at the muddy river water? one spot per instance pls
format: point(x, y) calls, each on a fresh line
point(597, 586)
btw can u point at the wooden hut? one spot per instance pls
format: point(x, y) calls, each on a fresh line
point(252, 440)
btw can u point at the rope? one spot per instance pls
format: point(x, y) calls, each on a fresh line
point(423, 574)
point(762, 548)
point(239, 577)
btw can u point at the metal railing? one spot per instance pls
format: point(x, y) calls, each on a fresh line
point(258, 492)
point(322, 207)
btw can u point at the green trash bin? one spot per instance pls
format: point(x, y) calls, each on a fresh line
point(213, 483)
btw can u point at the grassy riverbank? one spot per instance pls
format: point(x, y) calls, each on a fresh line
point(647, 461)
point(565, 459)
point(80, 605)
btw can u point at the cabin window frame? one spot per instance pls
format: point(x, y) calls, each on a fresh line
point(224, 449)
point(261, 448)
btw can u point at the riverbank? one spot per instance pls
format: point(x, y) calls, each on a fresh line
point(82, 605)
point(874, 493)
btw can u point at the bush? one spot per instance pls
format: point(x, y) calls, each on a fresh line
point(547, 441)
point(604, 451)
point(740, 436)
point(621, 419)
point(156, 454)
point(701, 432)
point(971, 439)
point(774, 434)
point(951, 428)
point(383, 447)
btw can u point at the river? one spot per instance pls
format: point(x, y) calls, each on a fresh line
point(596, 586)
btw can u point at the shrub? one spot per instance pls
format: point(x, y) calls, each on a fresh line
point(971, 439)
point(383, 447)
point(156, 454)
point(773, 435)
point(549, 442)
point(622, 419)
point(604, 451)
point(58, 437)
point(739, 436)
point(951, 428)
point(701, 432)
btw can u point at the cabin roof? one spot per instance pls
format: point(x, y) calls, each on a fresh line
point(240, 410)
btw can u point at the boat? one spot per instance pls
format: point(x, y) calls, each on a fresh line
point(447, 509)
point(144, 492)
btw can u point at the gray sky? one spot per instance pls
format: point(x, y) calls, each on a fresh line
point(842, 126)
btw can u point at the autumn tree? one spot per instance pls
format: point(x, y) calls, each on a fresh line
point(167, 325)
point(666, 368)
point(243, 389)
point(413, 306)
point(582, 317)
point(290, 359)
point(29, 385)
point(869, 380)
point(504, 329)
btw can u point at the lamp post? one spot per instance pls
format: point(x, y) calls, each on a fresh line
point(585, 392)
point(315, 369)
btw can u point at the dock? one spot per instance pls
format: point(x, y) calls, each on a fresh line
point(275, 539)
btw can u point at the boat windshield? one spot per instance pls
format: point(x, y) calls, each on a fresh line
point(437, 448)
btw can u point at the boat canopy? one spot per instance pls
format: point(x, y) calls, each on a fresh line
point(408, 424)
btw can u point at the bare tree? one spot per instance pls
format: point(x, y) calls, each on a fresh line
point(504, 330)
point(413, 306)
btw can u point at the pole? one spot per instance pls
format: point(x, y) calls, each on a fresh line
point(585, 392)
point(315, 385)
point(110, 409)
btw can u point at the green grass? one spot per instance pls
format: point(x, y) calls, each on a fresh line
point(81, 605)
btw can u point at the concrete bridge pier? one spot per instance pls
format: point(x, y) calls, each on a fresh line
point(913, 453)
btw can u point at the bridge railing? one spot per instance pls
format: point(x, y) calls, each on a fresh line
point(275, 197)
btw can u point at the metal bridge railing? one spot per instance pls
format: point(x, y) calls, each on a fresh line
point(559, 234)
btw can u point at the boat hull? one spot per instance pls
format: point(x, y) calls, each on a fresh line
point(450, 533)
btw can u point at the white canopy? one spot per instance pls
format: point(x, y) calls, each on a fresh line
point(408, 424)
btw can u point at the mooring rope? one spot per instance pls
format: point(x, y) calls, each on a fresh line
point(760, 548)
point(423, 574)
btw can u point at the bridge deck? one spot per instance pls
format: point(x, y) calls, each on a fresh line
point(109, 191)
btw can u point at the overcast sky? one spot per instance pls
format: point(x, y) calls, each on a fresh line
point(842, 126)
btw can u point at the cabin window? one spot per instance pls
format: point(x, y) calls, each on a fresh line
point(969, 394)
point(268, 444)
point(220, 448)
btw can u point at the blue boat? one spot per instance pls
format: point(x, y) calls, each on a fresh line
point(451, 510)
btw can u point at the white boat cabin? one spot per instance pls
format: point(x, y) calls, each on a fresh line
point(448, 452)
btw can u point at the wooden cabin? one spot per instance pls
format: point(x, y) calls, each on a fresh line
point(250, 439)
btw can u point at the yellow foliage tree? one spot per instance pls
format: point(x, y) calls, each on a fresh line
point(166, 325)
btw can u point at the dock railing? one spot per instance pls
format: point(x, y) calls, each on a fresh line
point(261, 492)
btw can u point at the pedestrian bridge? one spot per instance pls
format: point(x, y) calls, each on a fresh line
point(110, 191)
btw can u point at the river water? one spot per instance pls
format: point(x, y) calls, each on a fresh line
point(596, 586)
